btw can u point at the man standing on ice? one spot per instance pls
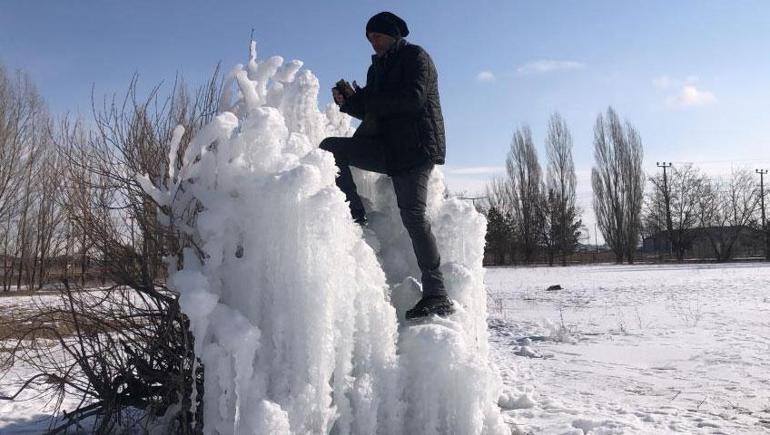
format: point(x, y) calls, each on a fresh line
point(402, 135)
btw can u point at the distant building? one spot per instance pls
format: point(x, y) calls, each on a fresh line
point(703, 243)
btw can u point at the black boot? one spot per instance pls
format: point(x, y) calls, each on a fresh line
point(441, 306)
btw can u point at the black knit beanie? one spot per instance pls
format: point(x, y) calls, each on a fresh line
point(387, 23)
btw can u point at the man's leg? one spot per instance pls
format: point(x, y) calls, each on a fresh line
point(411, 191)
point(361, 152)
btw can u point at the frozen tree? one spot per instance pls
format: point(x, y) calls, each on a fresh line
point(618, 184)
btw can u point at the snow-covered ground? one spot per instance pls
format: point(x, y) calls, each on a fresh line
point(644, 349)
point(622, 349)
point(29, 413)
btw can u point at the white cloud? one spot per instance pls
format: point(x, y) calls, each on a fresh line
point(666, 82)
point(485, 77)
point(690, 96)
point(545, 66)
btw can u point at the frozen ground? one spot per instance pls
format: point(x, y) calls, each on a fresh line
point(633, 349)
point(622, 349)
point(30, 413)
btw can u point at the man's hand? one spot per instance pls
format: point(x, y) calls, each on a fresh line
point(344, 87)
point(341, 91)
point(338, 97)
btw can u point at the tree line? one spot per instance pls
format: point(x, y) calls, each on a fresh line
point(71, 206)
point(687, 204)
point(528, 215)
point(72, 210)
point(531, 219)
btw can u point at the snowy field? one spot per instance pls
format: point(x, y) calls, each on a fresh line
point(633, 349)
point(622, 349)
point(29, 413)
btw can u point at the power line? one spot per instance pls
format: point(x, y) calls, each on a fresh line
point(719, 161)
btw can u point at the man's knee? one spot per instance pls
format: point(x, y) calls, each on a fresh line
point(327, 144)
point(414, 219)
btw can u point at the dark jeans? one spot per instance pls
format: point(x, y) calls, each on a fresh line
point(411, 188)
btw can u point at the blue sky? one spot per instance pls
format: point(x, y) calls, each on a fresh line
point(692, 76)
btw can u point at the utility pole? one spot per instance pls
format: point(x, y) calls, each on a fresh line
point(667, 200)
point(762, 173)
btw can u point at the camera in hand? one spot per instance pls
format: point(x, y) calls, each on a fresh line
point(343, 87)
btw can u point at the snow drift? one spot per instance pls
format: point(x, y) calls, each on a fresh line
point(297, 312)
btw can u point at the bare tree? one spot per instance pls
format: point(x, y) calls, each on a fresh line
point(525, 180)
point(501, 238)
point(726, 209)
point(550, 234)
point(19, 108)
point(762, 218)
point(682, 191)
point(23, 132)
point(618, 184)
point(564, 221)
point(633, 194)
point(499, 194)
point(115, 349)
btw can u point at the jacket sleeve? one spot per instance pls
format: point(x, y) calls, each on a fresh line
point(412, 95)
point(354, 105)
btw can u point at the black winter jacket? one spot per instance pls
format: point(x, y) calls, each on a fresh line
point(400, 106)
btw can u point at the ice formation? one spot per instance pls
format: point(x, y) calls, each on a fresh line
point(297, 313)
